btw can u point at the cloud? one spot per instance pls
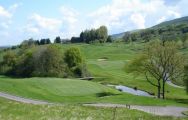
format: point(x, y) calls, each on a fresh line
point(4, 13)
point(125, 15)
point(38, 27)
point(71, 24)
point(39, 24)
point(50, 24)
point(160, 20)
point(139, 20)
point(69, 14)
point(14, 7)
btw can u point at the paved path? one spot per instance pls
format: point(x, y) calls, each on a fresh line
point(21, 99)
point(156, 110)
point(174, 85)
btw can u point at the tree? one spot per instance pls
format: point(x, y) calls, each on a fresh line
point(24, 66)
point(109, 39)
point(8, 62)
point(73, 57)
point(48, 41)
point(9, 59)
point(57, 40)
point(185, 40)
point(161, 62)
point(102, 34)
point(28, 43)
point(49, 62)
point(75, 62)
point(186, 77)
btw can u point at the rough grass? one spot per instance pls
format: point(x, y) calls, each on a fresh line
point(10, 110)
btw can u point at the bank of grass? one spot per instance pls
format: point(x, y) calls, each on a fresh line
point(10, 110)
point(109, 71)
point(74, 91)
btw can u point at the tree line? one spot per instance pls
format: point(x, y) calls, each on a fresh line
point(99, 35)
point(44, 61)
point(172, 32)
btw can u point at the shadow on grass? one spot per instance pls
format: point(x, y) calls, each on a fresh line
point(105, 94)
point(184, 101)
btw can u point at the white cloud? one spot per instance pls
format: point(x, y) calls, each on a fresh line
point(71, 25)
point(14, 7)
point(173, 13)
point(5, 13)
point(132, 14)
point(41, 22)
point(39, 27)
point(69, 14)
point(139, 20)
point(160, 20)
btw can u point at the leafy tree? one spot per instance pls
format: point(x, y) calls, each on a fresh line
point(28, 43)
point(49, 62)
point(48, 41)
point(73, 57)
point(186, 77)
point(57, 40)
point(102, 34)
point(185, 40)
point(89, 36)
point(24, 66)
point(127, 37)
point(75, 62)
point(9, 59)
point(109, 39)
point(162, 62)
point(45, 41)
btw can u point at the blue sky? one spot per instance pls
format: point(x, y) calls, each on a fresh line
point(24, 19)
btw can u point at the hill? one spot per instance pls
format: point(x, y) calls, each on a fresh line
point(182, 20)
point(170, 30)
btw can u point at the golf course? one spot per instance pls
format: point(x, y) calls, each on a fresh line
point(94, 60)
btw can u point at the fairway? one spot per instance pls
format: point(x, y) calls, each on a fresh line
point(109, 71)
point(53, 89)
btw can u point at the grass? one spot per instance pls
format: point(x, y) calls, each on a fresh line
point(10, 110)
point(74, 91)
point(110, 71)
point(54, 89)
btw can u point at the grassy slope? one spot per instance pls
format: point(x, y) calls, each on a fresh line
point(10, 110)
point(110, 70)
point(54, 89)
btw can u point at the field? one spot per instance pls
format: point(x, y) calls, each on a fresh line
point(107, 71)
point(10, 110)
point(106, 63)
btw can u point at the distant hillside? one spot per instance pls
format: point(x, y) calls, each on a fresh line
point(120, 35)
point(183, 20)
point(3, 47)
point(169, 30)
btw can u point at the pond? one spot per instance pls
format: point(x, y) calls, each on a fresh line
point(131, 90)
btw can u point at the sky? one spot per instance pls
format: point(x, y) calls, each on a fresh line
point(24, 19)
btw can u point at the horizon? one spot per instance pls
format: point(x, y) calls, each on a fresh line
point(22, 20)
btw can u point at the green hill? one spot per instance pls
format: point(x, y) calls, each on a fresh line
point(182, 20)
point(175, 29)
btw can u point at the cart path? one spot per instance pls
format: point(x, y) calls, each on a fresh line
point(156, 110)
point(23, 100)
